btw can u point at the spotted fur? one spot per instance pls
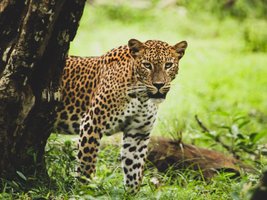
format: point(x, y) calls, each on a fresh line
point(118, 91)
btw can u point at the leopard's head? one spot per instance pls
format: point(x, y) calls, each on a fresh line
point(156, 64)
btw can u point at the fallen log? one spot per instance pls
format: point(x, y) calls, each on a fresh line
point(165, 153)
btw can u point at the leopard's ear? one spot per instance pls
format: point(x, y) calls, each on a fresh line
point(136, 47)
point(180, 48)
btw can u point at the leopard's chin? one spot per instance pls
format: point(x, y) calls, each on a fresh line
point(156, 101)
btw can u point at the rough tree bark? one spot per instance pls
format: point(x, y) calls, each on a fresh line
point(34, 40)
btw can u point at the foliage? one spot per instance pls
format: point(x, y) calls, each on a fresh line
point(255, 36)
point(236, 8)
point(236, 140)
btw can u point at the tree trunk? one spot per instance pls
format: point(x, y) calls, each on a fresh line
point(35, 37)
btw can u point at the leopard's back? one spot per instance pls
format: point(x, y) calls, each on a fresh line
point(79, 79)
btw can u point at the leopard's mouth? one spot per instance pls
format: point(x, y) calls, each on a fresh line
point(157, 95)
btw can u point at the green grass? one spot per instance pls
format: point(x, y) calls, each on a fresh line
point(108, 181)
point(222, 80)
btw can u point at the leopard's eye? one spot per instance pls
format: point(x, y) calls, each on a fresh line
point(168, 65)
point(147, 65)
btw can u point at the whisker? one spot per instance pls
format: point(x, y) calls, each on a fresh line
point(164, 91)
point(136, 88)
point(136, 91)
point(165, 88)
point(150, 87)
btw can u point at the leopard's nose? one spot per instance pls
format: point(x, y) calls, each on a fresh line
point(158, 85)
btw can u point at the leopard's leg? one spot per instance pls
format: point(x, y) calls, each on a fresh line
point(135, 146)
point(88, 146)
point(133, 155)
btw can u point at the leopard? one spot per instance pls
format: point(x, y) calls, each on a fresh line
point(119, 91)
